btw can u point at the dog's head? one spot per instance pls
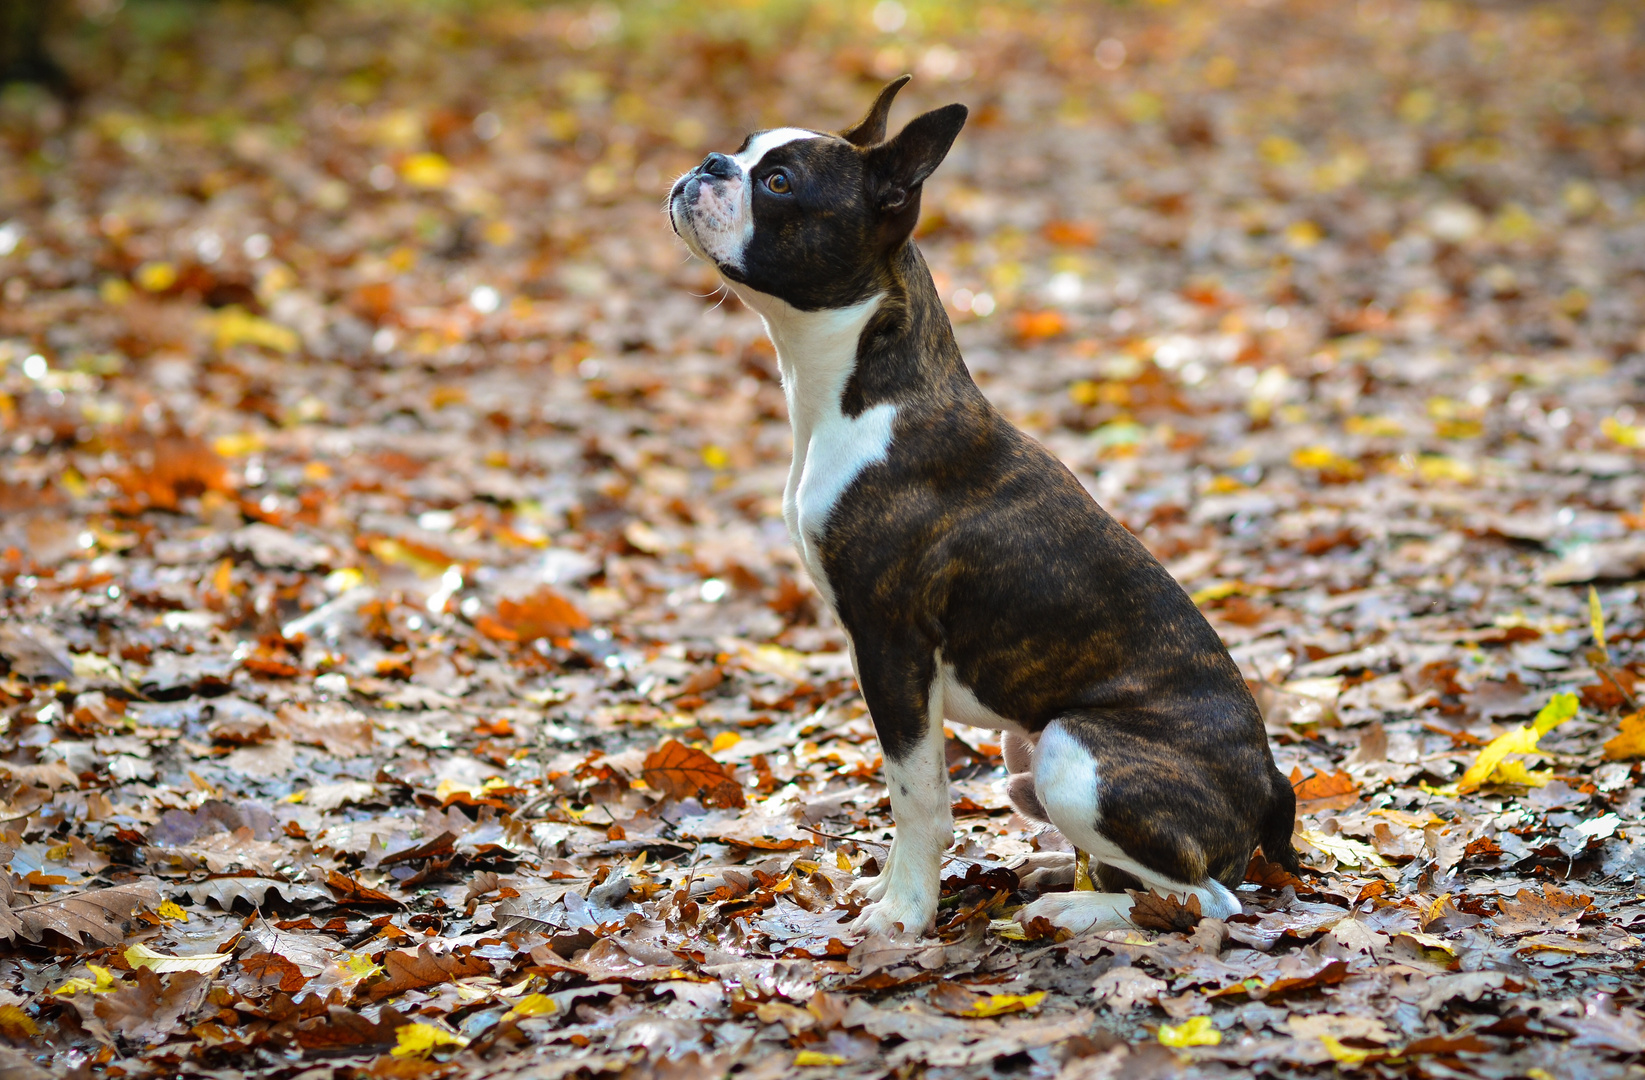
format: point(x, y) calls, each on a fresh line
point(809, 217)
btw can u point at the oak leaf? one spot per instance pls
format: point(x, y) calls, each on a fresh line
point(1528, 912)
point(683, 772)
point(407, 969)
point(100, 915)
point(1151, 911)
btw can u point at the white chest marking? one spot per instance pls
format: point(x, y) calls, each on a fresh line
point(816, 352)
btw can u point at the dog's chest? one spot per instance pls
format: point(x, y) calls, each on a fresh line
point(817, 352)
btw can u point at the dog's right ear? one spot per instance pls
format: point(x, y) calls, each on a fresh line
point(871, 128)
point(896, 169)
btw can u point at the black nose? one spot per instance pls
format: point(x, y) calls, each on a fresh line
point(718, 165)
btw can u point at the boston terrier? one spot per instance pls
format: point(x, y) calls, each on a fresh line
point(976, 579)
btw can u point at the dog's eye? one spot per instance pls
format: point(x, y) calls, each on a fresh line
point(777, 183)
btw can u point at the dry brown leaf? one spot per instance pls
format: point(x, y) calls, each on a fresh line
point(1151, 911)
point(407, 969)
point(683, 772)
point(344, 1029)
point(151, 1007)
point(352, 893)
point(100, 915)
point(271, 969)
point(1550, 912)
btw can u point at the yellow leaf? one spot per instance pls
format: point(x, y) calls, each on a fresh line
point(1082, 872)
point(1195, 1031)
point(1596, 622)
point(1560, 708)
point(725, 740)
point(1303, 235)
point(170, 910)
point(1380, 426)
point(1521, 740)
point(156, 276)
point(533, 1005)
point(842, 861)
point(1630, 740)
point(103, 984)
point(239, 444)
point(1624, 434)
point(297, 796)
point(361, 965)
point(1347, 1055)
point(236, 326)
point(817, 1057)
point(998, 1004)
point(1515, 772)
point(426, 171)
point(1345, 851)
point(1278, 150)
point(715, 457)
point(141, 956)
point(418, 1040)
point(15, 1023)
point(1009, 929)
point(1217, 590)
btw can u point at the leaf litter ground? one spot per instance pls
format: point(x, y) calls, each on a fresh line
point(406, 672)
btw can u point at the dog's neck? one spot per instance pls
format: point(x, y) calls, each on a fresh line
point(816, 354)
point(822, 353)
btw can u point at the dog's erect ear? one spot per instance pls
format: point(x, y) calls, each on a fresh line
point(871, 128)
point(896, 169)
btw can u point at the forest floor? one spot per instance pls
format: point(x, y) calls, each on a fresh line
point(405, 670)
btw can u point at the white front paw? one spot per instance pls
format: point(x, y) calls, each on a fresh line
point(914, 914)
point(874, 888)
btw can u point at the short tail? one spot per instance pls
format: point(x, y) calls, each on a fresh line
point(1274, 831)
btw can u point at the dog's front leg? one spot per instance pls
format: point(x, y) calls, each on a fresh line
point(905, 701)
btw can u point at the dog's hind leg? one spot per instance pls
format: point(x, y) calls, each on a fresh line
point(1068, 781)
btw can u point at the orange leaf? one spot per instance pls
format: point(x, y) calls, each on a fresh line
point(683, 772)
point(1322, 785)
point(543, 614)
point(1039, 325)
point(494, 630)
point(1630, 741)
point(1071, 233)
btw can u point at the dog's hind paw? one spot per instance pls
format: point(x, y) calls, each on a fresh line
point(1080, 911)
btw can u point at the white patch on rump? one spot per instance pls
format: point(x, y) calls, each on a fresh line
point(1066, 781)
point(816, 353)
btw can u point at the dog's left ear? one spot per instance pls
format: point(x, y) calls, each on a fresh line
point(897, 168)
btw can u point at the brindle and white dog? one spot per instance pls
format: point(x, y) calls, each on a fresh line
point(974, 576)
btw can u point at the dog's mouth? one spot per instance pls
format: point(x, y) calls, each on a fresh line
point(697, 224)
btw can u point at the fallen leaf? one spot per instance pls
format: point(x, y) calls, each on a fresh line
point(1151, 911)
point(1195, 1031)
point(684, 772)
point(141, 956)
point(1552, 911)
point(1629, 742)
point(420, 1040)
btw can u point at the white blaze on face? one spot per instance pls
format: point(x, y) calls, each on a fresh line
point(720, 224)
